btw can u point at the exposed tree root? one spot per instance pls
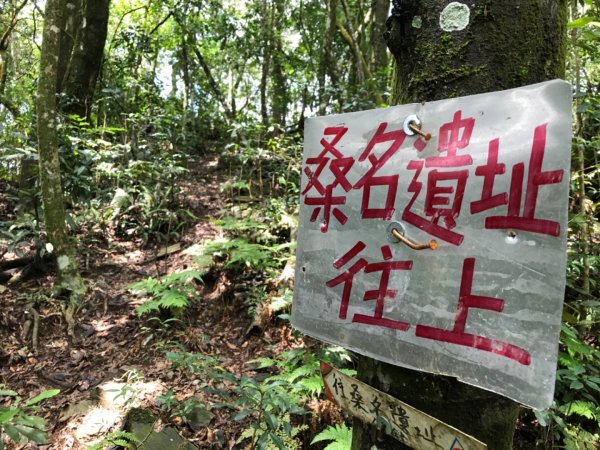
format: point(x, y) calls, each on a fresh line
point(68, 311)
point(35, 329)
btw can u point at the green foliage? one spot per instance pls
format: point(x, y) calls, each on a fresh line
point(19, 420)
point(200, 365)
point(240, 254)
point(268, 407)
point(340, 435)
point(575, 417)
point(20, 234)
point(185, 409)
point(283, 437)
point(122, 439)
point(169, 292)
point(300, 370)
point(130, 188)
point(573, 421)
point(269, 404)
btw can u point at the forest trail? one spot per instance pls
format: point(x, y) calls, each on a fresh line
point(113, 344)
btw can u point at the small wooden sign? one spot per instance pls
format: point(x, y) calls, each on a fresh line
point(401, 421)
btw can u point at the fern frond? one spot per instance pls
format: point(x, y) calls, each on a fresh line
point(341, 436)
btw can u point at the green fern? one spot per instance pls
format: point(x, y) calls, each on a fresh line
point(582, 408)
point(577, 438)
point(313, 385)
point(239, 225)
point(240, 254)
point(119, 438)
point(341, 436)
point(170, 292)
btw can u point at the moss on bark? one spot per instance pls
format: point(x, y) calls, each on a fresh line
point(68, 278)
point(506, 44)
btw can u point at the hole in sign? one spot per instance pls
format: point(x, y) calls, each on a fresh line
point(511, 237)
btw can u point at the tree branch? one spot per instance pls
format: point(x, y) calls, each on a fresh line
point(212, 82)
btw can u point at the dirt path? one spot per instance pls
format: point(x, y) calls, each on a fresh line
point(111, 339)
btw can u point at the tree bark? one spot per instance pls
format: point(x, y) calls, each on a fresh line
point(266, 60)
point(327, 63)
point(348, 34)
point(379, 14)
point(279, 99)
point(507, 44)
point(68, 279)
point(70, 24)
point(86, 57)
point(5, 59)
point(433, 64)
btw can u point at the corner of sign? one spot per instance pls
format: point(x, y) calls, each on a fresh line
point(325, 368)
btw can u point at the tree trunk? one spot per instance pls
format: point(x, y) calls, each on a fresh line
point(507, 44)
point(379, 14)
point(86, 58)
point(432, 64)
point(68, 279)
point(266, 60)
point(279, 89)
point(70, 24)
point(327, 63)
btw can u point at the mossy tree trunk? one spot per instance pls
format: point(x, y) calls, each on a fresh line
point(327, 62)
point(68, 280)
point(87, 50)
point(379, 13)
point(501, 44)
point(279, 100)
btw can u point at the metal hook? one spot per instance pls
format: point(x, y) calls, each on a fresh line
point(412, 126)
point(431, 244)
point(396, 234)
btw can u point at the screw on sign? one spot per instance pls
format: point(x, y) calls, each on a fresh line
point(489, 192)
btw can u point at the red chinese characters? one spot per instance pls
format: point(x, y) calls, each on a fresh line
point(331, 196)
point(339, 167)
point(445, 189)
point(380, 295)
point(516, 218)
point(369, 179)
point(439, 183)
point(457, 335)
point(466, 300)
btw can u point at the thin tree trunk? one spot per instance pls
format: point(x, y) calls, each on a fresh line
point(5, 59)
point(362, 69)
point(212, 82)
point(379, 14)
point(279, 89)
point(584, 231)
point(266, 60)
point(68, 277)
point(86, 58)
point(71, 23)
point(327, 65)
point(433, 64)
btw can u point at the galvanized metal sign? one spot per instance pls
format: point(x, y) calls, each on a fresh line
point(399, 420)
point(444, 255)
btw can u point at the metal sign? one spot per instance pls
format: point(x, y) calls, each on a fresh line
point(399, 420)
point(447, 254)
